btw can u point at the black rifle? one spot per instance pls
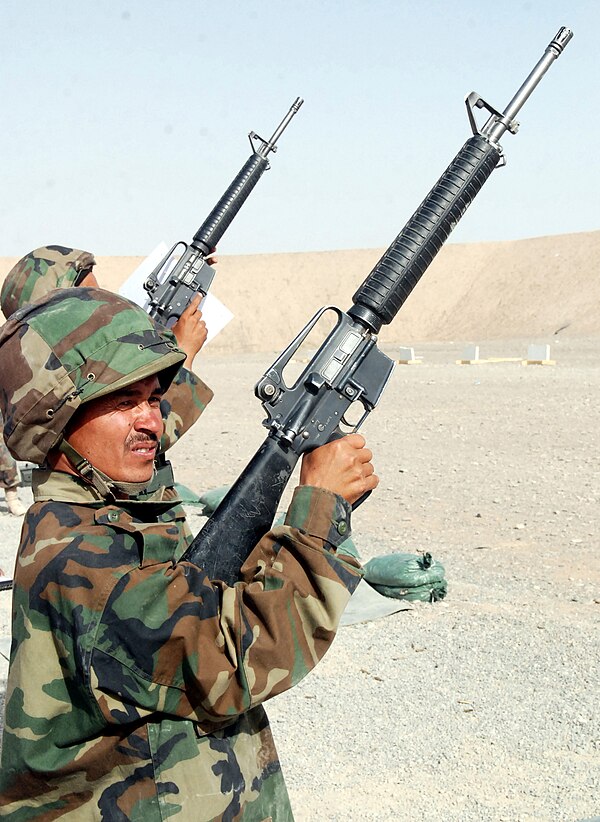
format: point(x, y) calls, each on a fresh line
point(172, 287)
point(348, 367)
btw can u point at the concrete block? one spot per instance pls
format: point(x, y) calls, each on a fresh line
point(406, 356)
point(538, 355)
point(470, 356)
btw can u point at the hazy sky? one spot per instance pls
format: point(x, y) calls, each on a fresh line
point(125, 121)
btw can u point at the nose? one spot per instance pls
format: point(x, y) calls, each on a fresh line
point(149, 418)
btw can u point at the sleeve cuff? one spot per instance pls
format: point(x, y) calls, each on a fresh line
point(320, 513)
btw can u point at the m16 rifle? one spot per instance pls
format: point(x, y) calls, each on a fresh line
point(184, 271)
point(348, 368)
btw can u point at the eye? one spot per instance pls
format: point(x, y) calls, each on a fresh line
point(154, 402)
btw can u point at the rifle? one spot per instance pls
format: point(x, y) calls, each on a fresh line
point(348, 368)
point(171, 288)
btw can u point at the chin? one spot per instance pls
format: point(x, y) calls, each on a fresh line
point(144, 476)
point(137, 473)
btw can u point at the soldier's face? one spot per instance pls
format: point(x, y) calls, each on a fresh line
point(119, 433)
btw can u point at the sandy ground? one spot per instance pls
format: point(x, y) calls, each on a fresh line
point(483, 706)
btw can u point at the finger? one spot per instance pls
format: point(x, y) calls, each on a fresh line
point(364, 455)
point(355, 440)
point(191, 308)
point(371, 482)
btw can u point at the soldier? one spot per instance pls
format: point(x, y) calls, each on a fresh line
point(136, 683)
point(57, 266)
point(9, 480)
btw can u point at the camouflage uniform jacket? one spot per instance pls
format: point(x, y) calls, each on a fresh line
point(135, 683)
point(181, 405)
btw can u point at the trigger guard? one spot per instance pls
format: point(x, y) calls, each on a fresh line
point(358, 424)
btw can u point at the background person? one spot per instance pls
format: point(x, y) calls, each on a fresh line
point(10, 481)
point(58, 266)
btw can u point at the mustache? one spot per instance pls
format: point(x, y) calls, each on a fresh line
point(134, 439)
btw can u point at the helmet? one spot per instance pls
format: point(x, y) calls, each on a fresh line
point(53, 266)
point(71, 346)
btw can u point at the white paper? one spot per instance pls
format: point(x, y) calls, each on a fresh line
point(215, 314)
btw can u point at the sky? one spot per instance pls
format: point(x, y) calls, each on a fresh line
point(124, 121)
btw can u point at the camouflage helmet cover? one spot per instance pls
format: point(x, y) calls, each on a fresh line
point(37, 273)
point(71, 346)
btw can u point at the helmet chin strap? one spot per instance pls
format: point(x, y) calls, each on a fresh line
point(101, 481)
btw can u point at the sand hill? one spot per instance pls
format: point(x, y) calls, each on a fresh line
point(526, 288)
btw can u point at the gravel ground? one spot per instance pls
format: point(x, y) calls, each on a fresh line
point(483, 706)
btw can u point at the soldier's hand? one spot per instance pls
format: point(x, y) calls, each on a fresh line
point(190, 331)
point(343, 466)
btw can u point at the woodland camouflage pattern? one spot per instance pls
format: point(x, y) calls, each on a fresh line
point(57, 266)
point(52, 266)
point(181, 405)
point(135, 683)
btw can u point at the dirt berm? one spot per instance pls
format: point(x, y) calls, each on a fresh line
point(524, 288)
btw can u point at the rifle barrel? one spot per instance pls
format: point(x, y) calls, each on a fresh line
point(494, 129)
point(294, 108)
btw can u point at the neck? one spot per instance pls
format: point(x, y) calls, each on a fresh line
point(58, 461)
point(62, 460)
